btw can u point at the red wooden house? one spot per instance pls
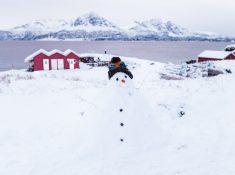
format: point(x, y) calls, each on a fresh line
point(53, 60)
point(211, 55)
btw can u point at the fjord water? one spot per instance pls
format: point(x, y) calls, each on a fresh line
point(13, 53)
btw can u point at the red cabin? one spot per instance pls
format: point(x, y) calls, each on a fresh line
point(53, 60)
point(211, 55)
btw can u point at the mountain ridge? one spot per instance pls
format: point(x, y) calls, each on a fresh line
point(91, 26)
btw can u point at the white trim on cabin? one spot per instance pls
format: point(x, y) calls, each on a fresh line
point(48, 53)
point(214, 54)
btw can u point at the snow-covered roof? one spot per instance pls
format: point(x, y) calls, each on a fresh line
point(48, 53)
point(214, 54)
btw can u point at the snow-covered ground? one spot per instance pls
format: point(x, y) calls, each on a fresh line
point(50, 123)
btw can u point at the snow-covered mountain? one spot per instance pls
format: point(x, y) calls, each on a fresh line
point(42, 26)
point(94, 27)
point(87, 27)
point(157, 27)
point(93, 21)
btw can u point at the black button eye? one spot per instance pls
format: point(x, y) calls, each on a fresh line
point(117, 79)
point(125, 76)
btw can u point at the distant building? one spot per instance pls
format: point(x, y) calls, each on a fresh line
point(211, 55)
point(92, 60)
point(230, 48)
point(53, 60)
point(87, 59)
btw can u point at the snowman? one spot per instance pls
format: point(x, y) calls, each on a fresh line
point(124, 120)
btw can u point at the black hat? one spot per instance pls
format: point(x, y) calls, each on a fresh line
point(115, 60)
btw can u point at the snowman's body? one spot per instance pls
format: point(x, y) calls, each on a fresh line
point(124, 120)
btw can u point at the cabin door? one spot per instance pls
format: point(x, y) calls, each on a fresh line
point(71, 63)
point(45, 64)
point(54, 64)
point(60, 64)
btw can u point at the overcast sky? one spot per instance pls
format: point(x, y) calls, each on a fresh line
point(199, 15)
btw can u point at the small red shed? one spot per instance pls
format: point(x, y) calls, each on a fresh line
point(211, 55)
point(53, 60)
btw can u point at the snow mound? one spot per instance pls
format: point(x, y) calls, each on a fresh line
point(196, 70)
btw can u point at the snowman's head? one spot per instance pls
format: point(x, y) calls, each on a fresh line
point(121, 79)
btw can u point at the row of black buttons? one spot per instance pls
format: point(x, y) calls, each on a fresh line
point(121, 124)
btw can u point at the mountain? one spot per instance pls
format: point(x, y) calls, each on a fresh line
point(94, 20)
point(94, 27)
point(159, 29)
point(87, 27)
